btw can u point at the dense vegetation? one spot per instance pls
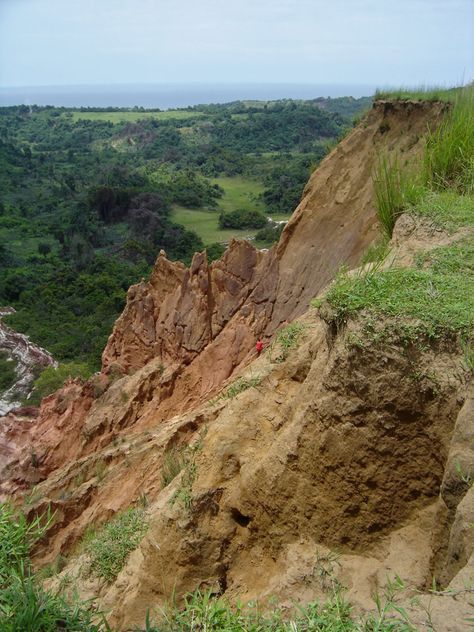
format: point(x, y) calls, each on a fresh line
point(88, 198)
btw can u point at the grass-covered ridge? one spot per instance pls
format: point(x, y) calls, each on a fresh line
point(417, 93)
point(437, 292)
point(440, 297)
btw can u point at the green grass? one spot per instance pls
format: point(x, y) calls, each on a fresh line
point(448, 166)
point(440, 297)
point(206, 225)
point(109, 548)
point(25, 606)
point(240, 192)
point(449, 154)
point(447, 209)
point(174, 461)
point(202, 611)
point(418, 93)
point(287, 339)
point(240, 385)
point(133, 116)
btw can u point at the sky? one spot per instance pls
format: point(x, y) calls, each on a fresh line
point(379, 42)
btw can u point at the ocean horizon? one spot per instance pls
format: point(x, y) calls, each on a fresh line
point(172, 95)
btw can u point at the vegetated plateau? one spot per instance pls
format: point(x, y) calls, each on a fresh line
point(325, 485)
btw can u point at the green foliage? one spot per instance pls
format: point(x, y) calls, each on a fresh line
point(202, 611)
point(394, 192)
point(109, 548)
point(88, 198)
point(174, 461)
point(240, 385)
point(24, 605)
point(286, 339)
point(7, 372)
point(449, 155)
point(52, 378)
point(440, 297)
point(242, 218)
point(270, 234)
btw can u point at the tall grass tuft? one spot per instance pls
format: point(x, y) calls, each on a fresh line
point(395, 190)
point(25, 606)
point(449, 155)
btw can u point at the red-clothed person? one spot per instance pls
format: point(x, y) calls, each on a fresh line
point(259, 347)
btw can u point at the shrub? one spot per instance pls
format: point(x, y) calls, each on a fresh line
point(52, 378)
point(242, 218)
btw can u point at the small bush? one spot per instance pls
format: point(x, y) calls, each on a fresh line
point(108, 549)
point(52, 378)
point(242, 218)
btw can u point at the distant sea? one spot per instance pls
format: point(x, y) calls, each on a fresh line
point(165, 96)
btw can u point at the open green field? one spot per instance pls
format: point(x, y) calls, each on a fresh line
point(240, 193)
point(133, 116)
point(206, 225)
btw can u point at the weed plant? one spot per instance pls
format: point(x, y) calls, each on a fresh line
point(201, 611)
point(286, 339)
point(173, 462)
point(25, 606)
point(240, 385)
point(109, 548)
point(394, 192)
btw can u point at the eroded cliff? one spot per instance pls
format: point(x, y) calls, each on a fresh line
point(336, 446)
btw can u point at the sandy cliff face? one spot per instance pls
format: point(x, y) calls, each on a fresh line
point(338, 447)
